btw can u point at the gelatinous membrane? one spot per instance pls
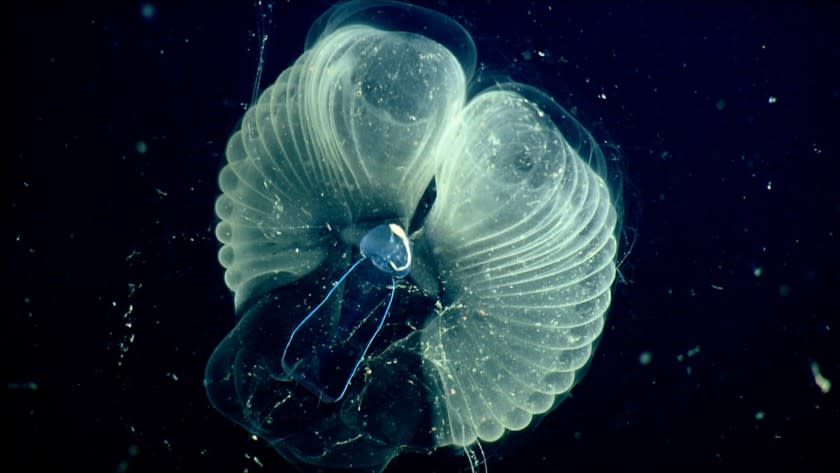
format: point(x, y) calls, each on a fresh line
point(512, 265)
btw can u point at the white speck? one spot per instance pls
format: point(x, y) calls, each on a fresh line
point(769, 185)
point(771, 99)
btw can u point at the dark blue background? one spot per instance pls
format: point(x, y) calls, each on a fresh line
point(114, 299)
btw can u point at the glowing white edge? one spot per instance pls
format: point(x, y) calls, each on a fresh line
point(400, 233)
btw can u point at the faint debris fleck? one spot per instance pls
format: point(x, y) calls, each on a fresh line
point(759, 415)
point(254, 459)
point(128, 336)
point(147, 11)
point(123, 465)
point(690, 353)
point(28, 386)
point(822, 382)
